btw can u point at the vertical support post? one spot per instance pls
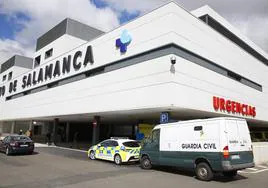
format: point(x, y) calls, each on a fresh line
point(67, 131)
point(31, 125)
point(55, 128)
point(134, 132)
point(12, 131)
point(96, 130)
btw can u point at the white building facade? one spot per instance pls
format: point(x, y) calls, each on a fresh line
point(186, 64)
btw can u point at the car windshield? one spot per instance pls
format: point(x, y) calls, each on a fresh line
point(20, 138)
point(131, 144)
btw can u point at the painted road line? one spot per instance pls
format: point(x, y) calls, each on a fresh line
point(53, 146)
point(40, 145)
point(261, 166)
point(71, 149)
point(254, 169)
point(255, 172)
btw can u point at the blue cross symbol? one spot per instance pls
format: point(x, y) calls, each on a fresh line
point(123, 41)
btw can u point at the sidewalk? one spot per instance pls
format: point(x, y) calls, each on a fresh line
point(81, 146)
point(38, 145)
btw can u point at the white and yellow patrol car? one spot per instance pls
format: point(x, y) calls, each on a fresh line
point(119, 150)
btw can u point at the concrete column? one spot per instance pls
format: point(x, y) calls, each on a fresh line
point(12, 131)
point(55, 128)
point(1, 127)
point(67, 132)
point(134, 132)
point(96, 130)
point(31, 125)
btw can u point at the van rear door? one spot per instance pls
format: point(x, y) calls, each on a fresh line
point(239, 142)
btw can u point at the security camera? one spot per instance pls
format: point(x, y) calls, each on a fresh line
point(173, 60)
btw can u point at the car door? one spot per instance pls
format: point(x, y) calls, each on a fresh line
point(4, 143)
point(152, 148)
point(110, 150)
point(101, 154)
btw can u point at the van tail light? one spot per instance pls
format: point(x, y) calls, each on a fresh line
point(226, 152)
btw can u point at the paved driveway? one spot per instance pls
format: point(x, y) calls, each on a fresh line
point(55, 167)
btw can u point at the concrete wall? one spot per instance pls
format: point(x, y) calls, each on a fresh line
point(260, 150)
point(63, 44)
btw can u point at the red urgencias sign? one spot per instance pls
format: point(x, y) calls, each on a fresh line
point(233, 106)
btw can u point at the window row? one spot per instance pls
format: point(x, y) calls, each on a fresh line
point(37, 60)
point(5, 77)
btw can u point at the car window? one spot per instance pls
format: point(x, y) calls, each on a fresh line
point(6, 139)
point(156, 136)
point(131, 144)
point(20, 138)
point(105, 143)
point(113, 143)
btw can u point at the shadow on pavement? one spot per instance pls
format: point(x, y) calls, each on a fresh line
point(23, 154)
point(190, 173)
point(127, 164)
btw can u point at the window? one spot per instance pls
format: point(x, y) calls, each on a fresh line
point(156, 136)
point(131, 144)
point(49, 53)
point(113, 143)
point(10, 76)
point(37, 61)
point(6, 139)
point(105, 143)
point(4, 78)
point(234, 76)
point(198, 128)
point(20, 138)
point(37, 130)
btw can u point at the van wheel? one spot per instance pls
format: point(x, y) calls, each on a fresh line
point(92, 155)
point(146, 163)
point(117, 159)
point(204, 172)
point(230, 174)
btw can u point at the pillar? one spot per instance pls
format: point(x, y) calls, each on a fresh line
point(55, 128)
point(96, 130)
point(12, 131)
point(67, 132)
point(31, 125)
point(134, 132)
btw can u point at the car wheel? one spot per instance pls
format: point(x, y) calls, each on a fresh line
point(146, 163)
point(117, 159)
point(204, 172)
point(92, 155)
point(7, 151)
point(230, 174)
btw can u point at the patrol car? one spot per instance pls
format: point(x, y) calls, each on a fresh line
point(119, 150)
point(206, 146)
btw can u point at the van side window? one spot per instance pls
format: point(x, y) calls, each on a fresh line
point(198, 128)
point(156, 136)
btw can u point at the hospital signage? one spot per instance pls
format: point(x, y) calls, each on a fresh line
point(62, 67)
point(230, 106)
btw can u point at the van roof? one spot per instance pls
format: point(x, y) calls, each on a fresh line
point(198, 120)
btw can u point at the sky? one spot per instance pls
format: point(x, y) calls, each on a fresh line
point(23, 21)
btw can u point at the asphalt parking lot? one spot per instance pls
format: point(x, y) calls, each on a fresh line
point(55, 167)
